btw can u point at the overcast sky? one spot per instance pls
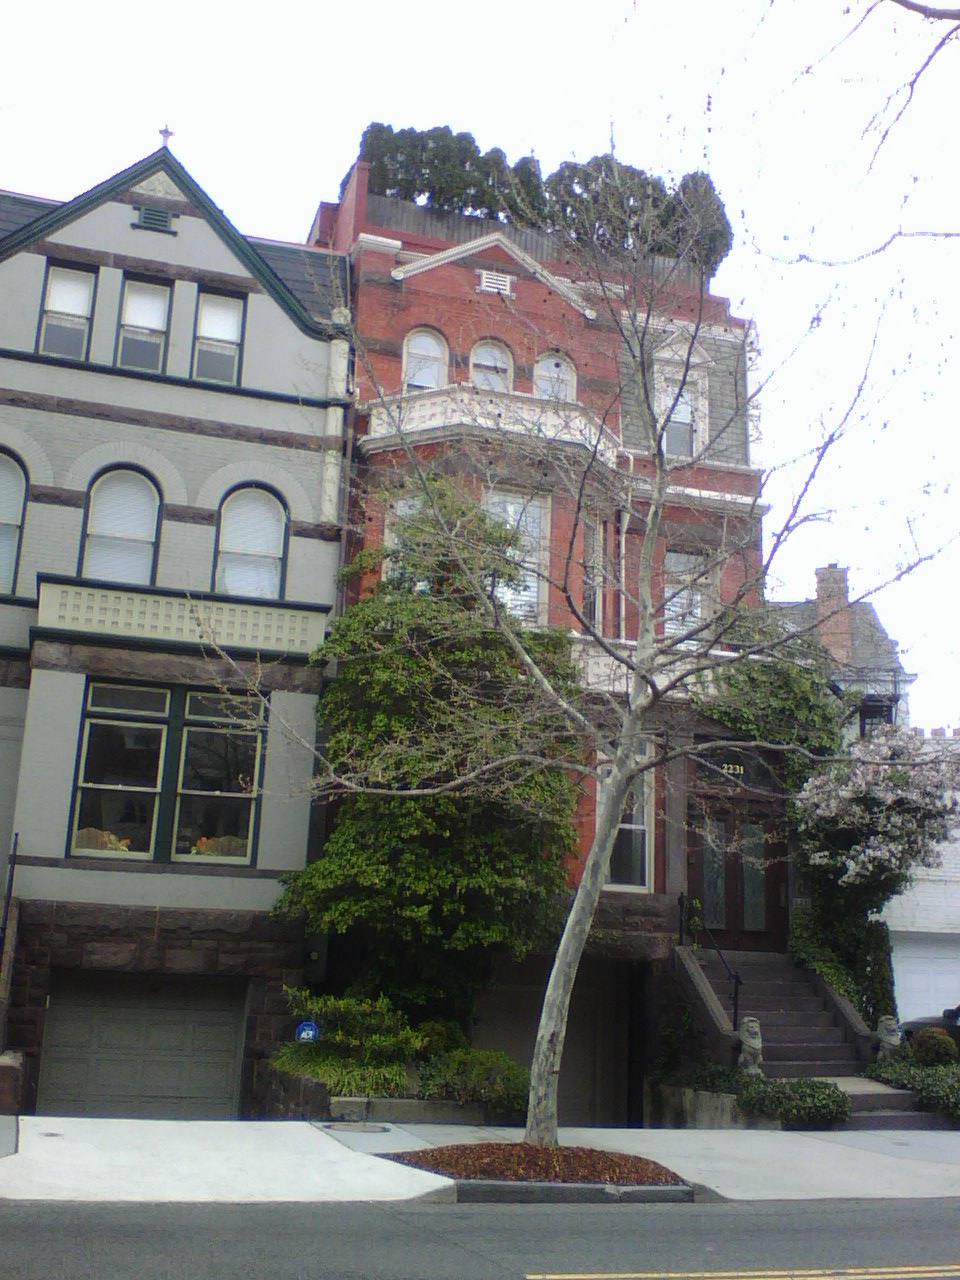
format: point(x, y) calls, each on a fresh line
point(268, 105)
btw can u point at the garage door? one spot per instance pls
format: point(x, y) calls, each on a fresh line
point(162, 1048)
point(926, 971)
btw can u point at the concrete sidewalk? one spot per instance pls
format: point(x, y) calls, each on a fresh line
point(250, 1161)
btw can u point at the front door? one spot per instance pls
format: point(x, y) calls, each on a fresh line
point(738, 873)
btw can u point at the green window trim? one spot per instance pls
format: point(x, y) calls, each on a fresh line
point(168, 775)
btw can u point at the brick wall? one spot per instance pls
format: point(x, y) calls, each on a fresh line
point(163, 941)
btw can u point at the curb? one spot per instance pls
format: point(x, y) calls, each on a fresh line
point(493, 1191)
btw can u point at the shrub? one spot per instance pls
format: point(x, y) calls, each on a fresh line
point(937, 1088)
point(933, 1047)
point(486, 1076)
point(799, 1104)
point(365, 1031)
point(342, 1075)
point(440, 1035)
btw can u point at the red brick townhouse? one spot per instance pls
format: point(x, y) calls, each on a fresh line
point(484, 350)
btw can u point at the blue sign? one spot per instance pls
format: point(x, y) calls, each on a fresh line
point(306, 1032)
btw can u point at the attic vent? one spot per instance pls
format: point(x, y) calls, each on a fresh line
point(150, 218)
point(495, 282)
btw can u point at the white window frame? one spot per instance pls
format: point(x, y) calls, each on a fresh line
point(424, 371)
point(218, 344)
point(104, 534)
point(638, 816)
point(686, 590)
point(555, 377)
point(234, 555)
point(682, 401)
point(144, 337)
point(13, 496)
point(527, 602)
point(77, 319)
point(487, 372)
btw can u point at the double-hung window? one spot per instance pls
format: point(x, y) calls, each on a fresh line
point(554, 377)
point(13, 487)
point(142, 342)
point(219, 333)
point(251, 545)
point(632, 846)
point(121, 531)
point(67, 307)
point(168, 774)
point(684, 586)
point(424, 361)
point(491, 368)
point(528, 516)
point(679, 428)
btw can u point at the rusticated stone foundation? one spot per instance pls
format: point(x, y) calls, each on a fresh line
point(164, 941)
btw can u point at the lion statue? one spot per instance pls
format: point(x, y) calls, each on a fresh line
point(751, 1046)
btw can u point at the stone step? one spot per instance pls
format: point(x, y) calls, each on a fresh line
point(809, 1070)
point(808, 1052)
point(774, 1019)
point(859, 1120)
point(758, 1004)
point(800, 1034)
point(885, 1100)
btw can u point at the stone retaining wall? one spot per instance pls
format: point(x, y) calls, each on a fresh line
point(150, 940)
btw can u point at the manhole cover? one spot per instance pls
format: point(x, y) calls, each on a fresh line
point(357, 1126)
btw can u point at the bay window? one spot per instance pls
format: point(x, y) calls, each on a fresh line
point(526, 514)
point(167, 774)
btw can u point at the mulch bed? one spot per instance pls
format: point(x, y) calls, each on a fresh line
point(522, 1162)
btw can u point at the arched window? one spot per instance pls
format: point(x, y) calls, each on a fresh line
point(491, 367)
point(13, 488)
point(424, 361)
point(251, 544)
point(121, 532)
point(554, 377)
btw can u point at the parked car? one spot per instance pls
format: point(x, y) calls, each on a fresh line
point(949, 1021)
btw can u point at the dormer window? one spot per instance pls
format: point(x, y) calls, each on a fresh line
point(495, 282)
point(678, 431)
point(491, 368)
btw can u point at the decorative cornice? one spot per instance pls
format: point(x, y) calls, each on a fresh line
point(496, 240)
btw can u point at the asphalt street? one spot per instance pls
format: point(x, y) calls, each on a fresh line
point(411, 1241)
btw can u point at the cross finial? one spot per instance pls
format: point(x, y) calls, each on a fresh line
point(166, 133)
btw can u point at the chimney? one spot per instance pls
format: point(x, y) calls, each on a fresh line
point(833, 613)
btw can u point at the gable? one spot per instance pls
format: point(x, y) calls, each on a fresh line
point(506, 251)
point(95, 219)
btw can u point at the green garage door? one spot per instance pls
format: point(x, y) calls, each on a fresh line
point(157, 1048)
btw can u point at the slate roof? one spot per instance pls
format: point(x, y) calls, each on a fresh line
point(871, 649)
point(16, 211)
point(307, 283)
point(317, 278)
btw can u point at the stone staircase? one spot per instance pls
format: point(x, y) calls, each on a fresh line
point(802, 1037)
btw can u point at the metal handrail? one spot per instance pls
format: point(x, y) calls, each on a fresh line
point(733, 975)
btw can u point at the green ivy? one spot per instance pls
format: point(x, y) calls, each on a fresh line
point(798, 1104)
point(937, 1088)
point(852, 955)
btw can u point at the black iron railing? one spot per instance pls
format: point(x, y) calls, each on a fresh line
point(7, 895)
point(684, 930)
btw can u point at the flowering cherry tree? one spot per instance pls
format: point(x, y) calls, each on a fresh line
point(867, 821)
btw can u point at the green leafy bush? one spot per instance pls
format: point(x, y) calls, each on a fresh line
point(439, 1035)
point(933, 1047)
point(486, 1076)
point(365, 1031)
point(342, 1076)
point(800, 1104)
point(937, 1088)
point(852, 955)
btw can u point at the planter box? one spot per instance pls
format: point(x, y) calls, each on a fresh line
point(671, 1107)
